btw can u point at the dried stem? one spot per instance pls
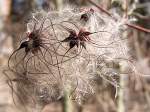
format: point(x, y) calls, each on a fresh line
point(138, 28)
point(130, 25)
point(99, 7)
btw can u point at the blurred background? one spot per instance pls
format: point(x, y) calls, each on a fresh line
point(134, 97)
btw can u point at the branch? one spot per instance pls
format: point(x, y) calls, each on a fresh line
point(138, 28)
point(129, 25)
point(100, 8)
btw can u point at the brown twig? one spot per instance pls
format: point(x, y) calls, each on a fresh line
point(138, 28)
point(129, 25)
point(99, 7)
